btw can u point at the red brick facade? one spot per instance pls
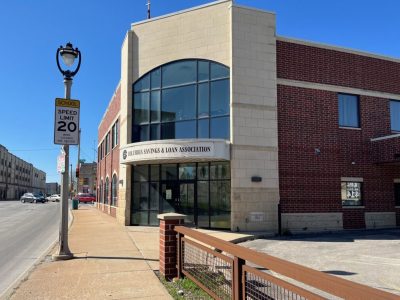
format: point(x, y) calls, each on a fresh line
point(108, 163)
point(314, 153)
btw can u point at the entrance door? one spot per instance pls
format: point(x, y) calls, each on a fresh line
point(187, 202)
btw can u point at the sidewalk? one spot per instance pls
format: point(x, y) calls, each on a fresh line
point(112, 262)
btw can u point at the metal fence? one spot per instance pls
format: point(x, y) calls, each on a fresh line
point(228, 271)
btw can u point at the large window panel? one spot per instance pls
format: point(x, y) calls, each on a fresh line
point(203, 109)
point(348, 110)
point(141, 108)
point(220, 97)
point(219, 71)
point(395, 115)
point(179, 103)
point(220, 128)
point(220, 202)
point(141, 173)
point(143, 84)
point(178, 130)
point(156, 79)
point(178, 73)
point(220, 170)
point(203, 218)
point(154, 132)
point(187, 171)
point(169, 172)
point(140, 133)
point(204, 71)
point(155, 101)
point(203, 129)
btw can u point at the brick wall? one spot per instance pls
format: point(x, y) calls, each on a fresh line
point(308, 120)
point(328, 66)
point(109, 165)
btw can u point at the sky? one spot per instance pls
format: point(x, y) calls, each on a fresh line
point(32, 30)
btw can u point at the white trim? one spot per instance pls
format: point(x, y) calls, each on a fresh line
point(352, 206)
point(386, 137)
point(179, 12)
point(351, 128)
point(254, 9)
point(397, 206)
point(396, 180)
point(336, 48)
point(352, 179)
point(337, 89)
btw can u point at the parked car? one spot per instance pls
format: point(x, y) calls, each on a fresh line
point(31, 197)
point(54, 198)
point(84, 197)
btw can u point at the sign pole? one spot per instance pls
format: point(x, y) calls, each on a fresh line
point(63, 252)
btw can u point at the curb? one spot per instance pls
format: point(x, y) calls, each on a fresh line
point(24, 276)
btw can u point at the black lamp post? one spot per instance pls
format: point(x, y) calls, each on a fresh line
point(68, 55)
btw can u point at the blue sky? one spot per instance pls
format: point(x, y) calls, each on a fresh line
point(32, 30)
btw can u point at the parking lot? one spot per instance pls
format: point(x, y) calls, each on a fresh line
point(368, 257)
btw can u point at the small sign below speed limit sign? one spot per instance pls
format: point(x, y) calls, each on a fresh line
point(66, 122)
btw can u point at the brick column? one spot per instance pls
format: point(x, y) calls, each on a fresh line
point(168, 243)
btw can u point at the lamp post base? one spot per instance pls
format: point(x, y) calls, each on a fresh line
point(62, 256)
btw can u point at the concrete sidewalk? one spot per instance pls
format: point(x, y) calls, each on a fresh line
point(112, 262)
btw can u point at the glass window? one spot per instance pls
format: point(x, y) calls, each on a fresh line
point(202, 171)
point(141, 108)
point(178, 130)
point(204, 70)
point(143, 84)
point(220, 202)
point(203, 109)
point(203, 130)
point(220, 97)
point(156, 79)
point(187, 171)
point(114, 191)
point(141, 173)
point(154, 194)
point(140, 196)
point(179, 103)
point(220, 170)
point(397, 194)
point(106, 187)
point(351, 193)
point(220, 128)
point(348, 111)
point(140, 133)
point(186, 92)
point(395, 115)
point(154, 132)
point(169, 172)
point(178, 73)
point(155, 107)
point(155, 172)
point(219, 71)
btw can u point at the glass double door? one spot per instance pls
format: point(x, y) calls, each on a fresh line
point(180, 197)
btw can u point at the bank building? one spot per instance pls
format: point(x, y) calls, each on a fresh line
point(218, 118)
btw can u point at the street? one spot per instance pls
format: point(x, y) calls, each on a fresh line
point(26, 232)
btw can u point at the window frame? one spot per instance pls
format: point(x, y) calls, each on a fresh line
point(114, 190)
point(142, 132)
point(390, 113)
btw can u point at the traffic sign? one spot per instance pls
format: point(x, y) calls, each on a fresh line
point(66, 122)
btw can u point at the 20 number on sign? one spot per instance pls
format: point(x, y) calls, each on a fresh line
point(66, 122)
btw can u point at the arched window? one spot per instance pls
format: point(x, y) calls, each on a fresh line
point(114, 191)
point(101, 199)
point(182, 99)
point(106, 186)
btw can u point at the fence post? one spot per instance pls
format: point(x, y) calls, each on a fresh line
point(237, 278)
point(168, 243)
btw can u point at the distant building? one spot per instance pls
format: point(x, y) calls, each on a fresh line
point(52, 188)
point(18, 176)
point(87, 178)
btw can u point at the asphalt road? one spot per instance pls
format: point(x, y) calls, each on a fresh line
point(26, 231)
point(368, 257)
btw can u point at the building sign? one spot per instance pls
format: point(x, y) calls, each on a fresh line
point(175, 150)
point(66, 122)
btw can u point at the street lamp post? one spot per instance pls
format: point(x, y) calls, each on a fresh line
point(68, 54)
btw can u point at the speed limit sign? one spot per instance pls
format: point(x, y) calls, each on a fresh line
point(66, 122)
